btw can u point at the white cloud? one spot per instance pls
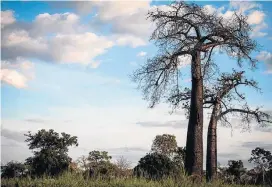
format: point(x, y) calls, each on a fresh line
point(256, 17)
point(7, 18)
point(60, 38)
point(211, 9)
point(266, 57)
point(17, 73)
point(14, 78)
point(141, 54)
point(243, 6)
point(129, 40)
point(62, 48)
point(257, 30)
point(78, 48)
point(125, 17)
point(55, 23)
point(113, 9)
point(184, 61)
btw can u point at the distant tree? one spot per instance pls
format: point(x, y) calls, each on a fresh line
point(73, 167)
point(190, 32)
point(262, 160)
point(122, 163)
point(123, 166)
point(165, 144)
point(50, 152)
point(154, 166)
point(236, 169)
point(82, 162)
point(100, 165)
point(98, 157)
point(13, 169)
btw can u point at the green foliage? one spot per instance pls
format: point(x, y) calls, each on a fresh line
point(13, 169)
point(155, 166)
point(165, 144)
point(261, 158)
point(50, 152)
point(98, 157)
point(236, 168)
point(100, 165)
point(179, 157)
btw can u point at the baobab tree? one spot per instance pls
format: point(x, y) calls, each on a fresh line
point(220, 99)
point(190, 31)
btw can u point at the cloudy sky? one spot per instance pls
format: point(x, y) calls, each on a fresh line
point(66, 66)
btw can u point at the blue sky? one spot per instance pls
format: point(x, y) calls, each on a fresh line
point(66, 66)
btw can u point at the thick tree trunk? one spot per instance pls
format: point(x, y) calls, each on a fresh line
point(211, 156)
point(194, 144)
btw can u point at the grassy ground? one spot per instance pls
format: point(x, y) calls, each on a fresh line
point(71, 180)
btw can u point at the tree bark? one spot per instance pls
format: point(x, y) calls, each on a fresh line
point(194, 144)
point(211, 156)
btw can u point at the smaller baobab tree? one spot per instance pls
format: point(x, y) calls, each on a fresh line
point(220, 97)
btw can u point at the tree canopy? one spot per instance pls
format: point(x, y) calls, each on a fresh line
point(50, 151)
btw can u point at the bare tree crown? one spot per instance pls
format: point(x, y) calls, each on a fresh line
point(183, 30)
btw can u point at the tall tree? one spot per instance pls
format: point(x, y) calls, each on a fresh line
point(165, 144)
point(189, 31)
point(50, 151)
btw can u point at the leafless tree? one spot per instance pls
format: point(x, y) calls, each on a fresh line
point(122, 163)
point(189, 31)
point(220, 98)
point(82, 162)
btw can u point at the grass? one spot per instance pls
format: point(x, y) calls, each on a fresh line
point(73, 180)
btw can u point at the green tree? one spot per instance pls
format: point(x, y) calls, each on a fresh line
point(13, 169)
point(154, 166)
point(98, 157)
point(100, 165)
point(189, 32)
point(50, 152)
point(165, 144)
point(262, 160)
point(236, 169)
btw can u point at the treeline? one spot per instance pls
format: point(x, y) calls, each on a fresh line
point(165, 159)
